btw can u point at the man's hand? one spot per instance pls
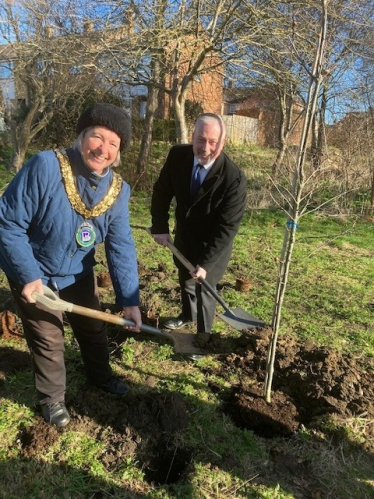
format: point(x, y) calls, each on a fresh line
point(162, 239)
point(199, 272)
point(133, 313)
point(30, 287)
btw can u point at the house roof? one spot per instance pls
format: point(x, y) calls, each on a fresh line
point(234, 95)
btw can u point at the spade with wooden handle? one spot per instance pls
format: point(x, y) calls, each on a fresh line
point(182, 342)
point(237, 318)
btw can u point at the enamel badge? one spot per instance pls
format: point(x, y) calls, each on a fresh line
point(85, 235)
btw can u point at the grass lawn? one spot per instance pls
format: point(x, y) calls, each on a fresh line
point(329, 300)
point(170, 438)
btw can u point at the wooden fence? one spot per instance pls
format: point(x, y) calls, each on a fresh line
point(241, 129)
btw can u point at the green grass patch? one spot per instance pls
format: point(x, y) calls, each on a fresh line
point(329, 299)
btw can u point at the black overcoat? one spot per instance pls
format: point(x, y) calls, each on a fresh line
point(206, 224)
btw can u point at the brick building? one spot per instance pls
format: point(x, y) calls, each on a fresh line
point(262, 105)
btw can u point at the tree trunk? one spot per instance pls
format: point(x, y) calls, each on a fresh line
point(295, 200)
point(19, 148)
point(21, 134)
point(284, 267)
point(320, 143)
point(281, 138)
point(17, 159)
point(153, 92)
point(286, 108)
point(180, 118)
point(146, 141)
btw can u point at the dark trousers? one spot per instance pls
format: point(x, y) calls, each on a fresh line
point(44, 332)
point(197, 303)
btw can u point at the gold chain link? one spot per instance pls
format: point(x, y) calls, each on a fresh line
point(73, 195)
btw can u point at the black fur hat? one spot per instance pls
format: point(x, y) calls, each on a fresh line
point(110, 116)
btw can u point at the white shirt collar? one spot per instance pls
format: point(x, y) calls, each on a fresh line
point(206, 167)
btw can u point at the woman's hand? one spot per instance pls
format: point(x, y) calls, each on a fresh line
point(30, 287)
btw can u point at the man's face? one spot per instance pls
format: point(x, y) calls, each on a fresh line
point(100, 148)
point(207, 141)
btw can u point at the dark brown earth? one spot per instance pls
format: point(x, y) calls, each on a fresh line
point(309, 383)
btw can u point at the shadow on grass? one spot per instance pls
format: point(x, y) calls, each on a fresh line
point(35, 479)
point(162, 441)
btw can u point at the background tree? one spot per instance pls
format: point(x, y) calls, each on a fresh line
point(270, 67)
point(156, 74)
point(47, 66)
point(281, 56)
point(188, 39)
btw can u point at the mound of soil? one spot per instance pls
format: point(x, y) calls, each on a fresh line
point(309, 383)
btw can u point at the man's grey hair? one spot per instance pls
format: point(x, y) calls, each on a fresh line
point(208, 118)
point(78, 145)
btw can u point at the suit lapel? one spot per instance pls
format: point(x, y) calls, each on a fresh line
point(186, 173)
point(183, 173)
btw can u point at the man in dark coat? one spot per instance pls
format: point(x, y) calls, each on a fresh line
point(207, 216)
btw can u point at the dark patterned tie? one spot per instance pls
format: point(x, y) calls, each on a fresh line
point(196, 181)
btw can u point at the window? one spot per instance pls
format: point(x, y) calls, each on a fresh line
point(232, 108)
point(142, 109)
point(6, 70)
